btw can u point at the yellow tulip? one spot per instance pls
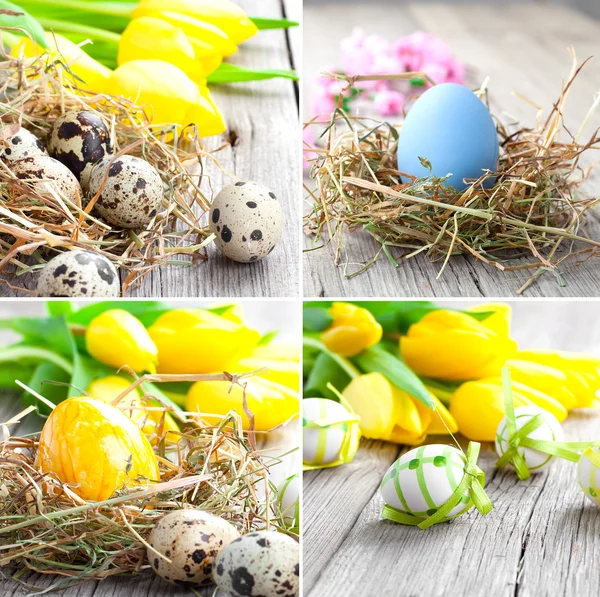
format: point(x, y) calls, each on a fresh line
point(225, 15)
point(278, 350)
point(582, 372)
point(478, 406)
point(353, 330)
point(549, 380)
point(270, 403)
point(150, 38)
point(152, 423)
point(93, 74)
point(234, 313)
point(167, 95)
point(198, 341)
point(282, 372)
point(455, 346)
point(118, 339)
point(391, 414)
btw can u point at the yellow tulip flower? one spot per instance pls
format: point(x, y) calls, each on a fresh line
point(270, 403)
point(198, 341)
point(478, 406)
point(391, 414)
point(118, 339)
point(149, 38)
point(455, 346)
point(282, 372)
point(152, 423)
point(225, 15)
point(92, 74)
point(582, 372)
point(167, 95)
point(353, 330)
point(278, 350)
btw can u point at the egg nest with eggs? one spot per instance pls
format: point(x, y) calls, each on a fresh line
point(211, 466)
point(69, 213)
point(527, 214)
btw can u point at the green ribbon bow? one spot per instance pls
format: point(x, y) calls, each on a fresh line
point(472, 482)
point(592, 455)
point(520, 437)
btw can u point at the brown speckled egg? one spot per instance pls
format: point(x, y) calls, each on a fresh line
point(79, 273)
point(19, 145)
point(41, 170)
point(132, 194)
point(191, 539)
point(247, 219)
point(264, 563)
point(80, 140)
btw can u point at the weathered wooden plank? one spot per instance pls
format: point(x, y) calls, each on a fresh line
point(538, 540)
point(501, 45)
point(262, 144)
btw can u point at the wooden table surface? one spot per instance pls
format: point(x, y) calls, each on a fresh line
point(262, 144)
point(541, 539)
point(521, 48)
point(263, 316)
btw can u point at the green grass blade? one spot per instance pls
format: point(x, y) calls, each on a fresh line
point(230, 73)
point(263, 23)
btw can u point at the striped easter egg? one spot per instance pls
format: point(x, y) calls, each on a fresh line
point(424, 479)
point(323, 445)
point(289, 499)
point(588, 476)
point(549, 431)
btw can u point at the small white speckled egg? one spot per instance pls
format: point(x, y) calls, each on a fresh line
point(289, 499)
point(132, 194)
point(19, 145)
point(588, 475)
point(79, 273)
point(41, 171)
point(264, 563)
point(549, 431)
point(322, 446)
point(191, 539)
point(424, 479)
point(247, 219)
point(80, 139)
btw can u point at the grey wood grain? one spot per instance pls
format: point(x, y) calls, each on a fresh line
point(497, 43)
point(261, 144)
point(265, 316)
point(538, 541)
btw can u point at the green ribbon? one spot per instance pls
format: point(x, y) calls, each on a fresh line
point(472, 482)
point(520, 437)
point(592, 455)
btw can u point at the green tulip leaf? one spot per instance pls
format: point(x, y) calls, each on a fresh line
point(263, 23)
point(137, 308)
point(51, 381)
point(316, 319)
point(378, 360)
point(10, 371)
point(230, 73)
point(324, 371)
point(59, 307)
point(14, 16)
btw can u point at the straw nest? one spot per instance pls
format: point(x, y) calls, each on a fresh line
point(46, 528)
point(532, 210)
point(35, 92)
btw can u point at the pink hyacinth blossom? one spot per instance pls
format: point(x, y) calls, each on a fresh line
point(389, 102)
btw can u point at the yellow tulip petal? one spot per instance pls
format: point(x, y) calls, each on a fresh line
point(407, 412)
point(401, 436)
point(282, 372)
point(442, 422)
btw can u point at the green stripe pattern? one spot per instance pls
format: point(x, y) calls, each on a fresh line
point(424, 479)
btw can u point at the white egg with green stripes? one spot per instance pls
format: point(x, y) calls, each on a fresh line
point(289, 499)
point(322, 446)
point(550, 430)
point(588, 475)
point(424, 479)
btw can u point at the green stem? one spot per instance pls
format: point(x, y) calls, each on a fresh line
point(117, 9)
point(346, 365)
point(32, 352)
point(93, 32)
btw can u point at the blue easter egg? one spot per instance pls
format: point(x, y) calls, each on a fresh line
point(451, 127)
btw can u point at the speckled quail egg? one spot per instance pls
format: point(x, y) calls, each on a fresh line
point(132, 193)
point(19, 145)
point(80, 140)
point(247, 220)
point(41, 171)
point(264, 563)
point(190, 539)
point(79, 273)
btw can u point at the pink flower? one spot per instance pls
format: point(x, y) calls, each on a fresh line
point(386, 64)
point(322, 100)
point(309, 143)
point(456, 72)
point(438, 72)
point(389, 102)
point(409, 50)
point(356, 57)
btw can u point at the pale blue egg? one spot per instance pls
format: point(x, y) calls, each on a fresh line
point(452, 128)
